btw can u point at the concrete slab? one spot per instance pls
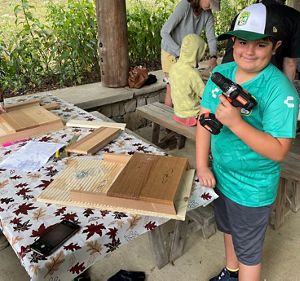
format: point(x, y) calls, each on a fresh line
point(94, 95)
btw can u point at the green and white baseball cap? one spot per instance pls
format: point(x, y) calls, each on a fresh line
point(253, 23)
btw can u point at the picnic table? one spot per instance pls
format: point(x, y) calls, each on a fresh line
point(23, 219)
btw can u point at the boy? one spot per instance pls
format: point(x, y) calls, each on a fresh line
point(185, 80)
point(247, 152)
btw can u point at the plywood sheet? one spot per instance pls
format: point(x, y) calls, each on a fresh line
point(94, 141)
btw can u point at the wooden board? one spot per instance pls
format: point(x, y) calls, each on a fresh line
point(94, 124)
point(150, 178)
point(27, 120)
point(85, 183)
point(94, 141)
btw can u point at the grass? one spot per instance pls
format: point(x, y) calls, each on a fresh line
point(7, 16)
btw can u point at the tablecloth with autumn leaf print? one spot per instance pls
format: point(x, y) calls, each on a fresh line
point(23, 220)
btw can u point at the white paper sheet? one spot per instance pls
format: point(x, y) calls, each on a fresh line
point(31, 156)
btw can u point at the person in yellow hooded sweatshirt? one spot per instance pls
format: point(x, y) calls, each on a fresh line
point(185, 80)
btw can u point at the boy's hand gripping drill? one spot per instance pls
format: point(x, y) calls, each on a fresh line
point(234, 93)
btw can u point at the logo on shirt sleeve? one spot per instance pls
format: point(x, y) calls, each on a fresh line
point(214, 92)
point(289, 101)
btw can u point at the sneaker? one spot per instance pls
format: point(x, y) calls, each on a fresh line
point(224, 275)
point(3, 241)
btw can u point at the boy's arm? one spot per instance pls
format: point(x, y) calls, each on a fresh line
point(204, 173)
point(261, 142)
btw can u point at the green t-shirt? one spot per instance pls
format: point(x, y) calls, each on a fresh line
point(243, 175)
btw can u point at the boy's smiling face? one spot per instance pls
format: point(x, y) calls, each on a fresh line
point(253, 56)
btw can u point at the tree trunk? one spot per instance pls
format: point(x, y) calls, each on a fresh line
point(113, 42)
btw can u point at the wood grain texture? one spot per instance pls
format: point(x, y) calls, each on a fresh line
point(150, 178)
point(27, 120)
point(85, 182)
point(93, 142)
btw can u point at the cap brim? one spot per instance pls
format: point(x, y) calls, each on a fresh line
point(243, 34)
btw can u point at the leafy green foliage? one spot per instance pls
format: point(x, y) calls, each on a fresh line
point(144, 21)
point(61, 49)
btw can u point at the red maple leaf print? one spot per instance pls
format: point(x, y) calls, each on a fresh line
point(21, 185)
point(23, 191)
point(1, 209)
point(22, 226)
point(44, 184)
point(112, 233)
point(206, 196)
point(119, 215)
point(35, 257)
point(24, 251)
point(69, 217)
point(72, 247)
point(45, 139)
point(113, 245)
point(16, 177)
point(24, 208)
point(104, 213)
point(38, 233)
point(60, 211)
point(150, 225)
point(7, 152)
point(15, 220)
point(77, 268)
point(90, 119)
point(92, 229)
point(88, 212)
point(6, 200)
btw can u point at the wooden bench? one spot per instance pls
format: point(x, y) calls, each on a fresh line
point(161, 115)
point(288, 197)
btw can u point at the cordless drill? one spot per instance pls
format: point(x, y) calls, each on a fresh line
point(234, 93)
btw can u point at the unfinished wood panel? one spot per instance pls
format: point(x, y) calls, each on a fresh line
point(85, 183)
point(94, 124)
point(19, 105)
point(27, 120)
point(94, 141)
point(28, 117)
point(150, 178)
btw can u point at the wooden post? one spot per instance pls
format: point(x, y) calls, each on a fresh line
point(113, 42)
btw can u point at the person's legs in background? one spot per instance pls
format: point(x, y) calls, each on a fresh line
point(166, 61)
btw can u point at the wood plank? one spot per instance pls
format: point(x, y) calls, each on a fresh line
point(28, 117)
point(33, 132)
point(164, 179)
point(94, 141)
point(51, 106)
point(150, 178)
point(20, 105)
point(133, 177)
point(94, 124)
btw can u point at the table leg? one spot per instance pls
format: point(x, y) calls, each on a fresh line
point(155, 133)
point(158, 246)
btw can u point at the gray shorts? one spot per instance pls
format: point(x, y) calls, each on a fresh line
point(247, 225)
